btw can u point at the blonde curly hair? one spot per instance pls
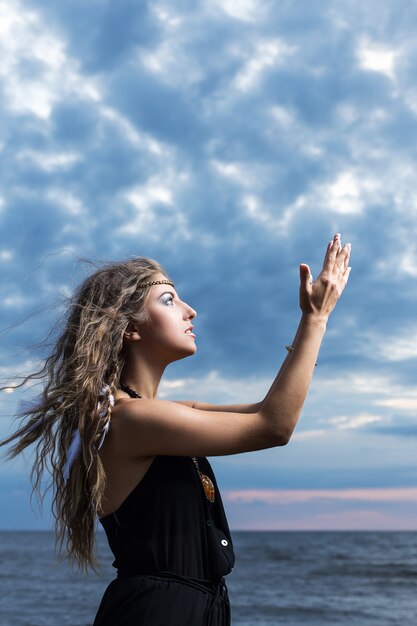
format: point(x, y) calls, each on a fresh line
point(87, 355)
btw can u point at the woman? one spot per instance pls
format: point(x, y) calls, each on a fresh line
point(138, 463)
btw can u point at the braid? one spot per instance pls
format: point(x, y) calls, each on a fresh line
point(104, 408)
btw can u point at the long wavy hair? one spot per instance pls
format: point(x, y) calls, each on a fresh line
point(87, 355)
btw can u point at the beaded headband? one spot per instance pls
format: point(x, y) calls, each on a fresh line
point(155, 282)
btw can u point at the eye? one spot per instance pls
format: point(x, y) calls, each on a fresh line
point(168, 299)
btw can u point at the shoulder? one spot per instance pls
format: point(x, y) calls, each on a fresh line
point(134, 409)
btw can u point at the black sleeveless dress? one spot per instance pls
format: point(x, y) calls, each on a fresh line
point(172, 548)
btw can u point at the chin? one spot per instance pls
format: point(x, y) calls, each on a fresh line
point(183, 354)
point(190, 352)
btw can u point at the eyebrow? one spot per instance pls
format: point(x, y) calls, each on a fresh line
point(172, 293)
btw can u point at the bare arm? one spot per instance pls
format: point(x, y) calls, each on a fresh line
point(224, 408)
point(332, 255)
point(240, 408)
point(151, 427)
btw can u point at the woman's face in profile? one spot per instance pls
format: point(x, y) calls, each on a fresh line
point(168, 332)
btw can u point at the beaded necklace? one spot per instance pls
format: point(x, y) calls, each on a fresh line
point(206, 482)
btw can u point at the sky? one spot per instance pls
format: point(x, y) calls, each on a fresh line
point(229, 140)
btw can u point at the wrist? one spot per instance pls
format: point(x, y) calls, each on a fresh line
point(318, 320)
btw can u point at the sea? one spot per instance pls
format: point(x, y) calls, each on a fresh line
point(293, 578)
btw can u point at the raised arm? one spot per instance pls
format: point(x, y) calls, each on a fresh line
point(317, 301)
point(244, 408)
point(151, 427)
point(335, 274)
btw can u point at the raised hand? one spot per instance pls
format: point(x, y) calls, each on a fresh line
point(319, 297)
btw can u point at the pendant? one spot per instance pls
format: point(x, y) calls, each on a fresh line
point(209, 490)
point(208, 487)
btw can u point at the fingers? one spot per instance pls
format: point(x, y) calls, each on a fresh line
point(336, 259)
point(331, 253)
point(326, 256)
point(305, 276)
point(345, 277)
point(342, 259)
point(342, 265)
point(306, 287)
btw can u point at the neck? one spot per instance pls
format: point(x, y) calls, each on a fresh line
point(142, 376)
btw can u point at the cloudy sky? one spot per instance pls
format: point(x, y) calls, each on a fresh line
point(228, 139)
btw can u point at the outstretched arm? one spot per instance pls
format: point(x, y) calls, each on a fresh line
point(151, 427)
point(335, 268)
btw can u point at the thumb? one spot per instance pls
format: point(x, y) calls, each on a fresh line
point(305, 275)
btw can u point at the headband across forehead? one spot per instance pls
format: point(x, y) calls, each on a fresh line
point(155, 282)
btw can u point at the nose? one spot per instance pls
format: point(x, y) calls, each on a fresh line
point(190, 312)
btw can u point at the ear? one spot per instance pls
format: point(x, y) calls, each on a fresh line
point(131, 333)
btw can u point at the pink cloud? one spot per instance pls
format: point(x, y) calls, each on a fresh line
point(323, 509)
point(287, 496)
point(343, 520)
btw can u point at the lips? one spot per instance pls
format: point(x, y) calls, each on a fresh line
point(189, 331)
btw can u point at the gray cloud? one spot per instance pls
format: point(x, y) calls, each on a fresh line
point(229, 142)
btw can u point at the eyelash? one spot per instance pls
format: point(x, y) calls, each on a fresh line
point(169, 299)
